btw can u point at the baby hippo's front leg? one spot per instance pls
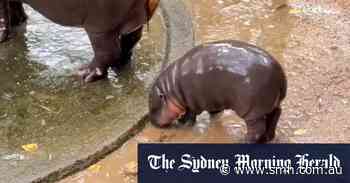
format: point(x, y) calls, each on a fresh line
point(188, 118)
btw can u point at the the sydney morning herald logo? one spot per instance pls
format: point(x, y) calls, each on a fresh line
point(244, 164)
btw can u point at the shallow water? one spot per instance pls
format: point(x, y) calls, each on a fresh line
point(265, 23)
point(40, 101)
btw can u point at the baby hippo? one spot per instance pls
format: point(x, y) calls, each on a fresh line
point(217, 76)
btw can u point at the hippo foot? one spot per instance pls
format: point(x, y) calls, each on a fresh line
point(263, 130)
point(266, 138)
point(89, 73)
point(260, 139)
point(256, 131)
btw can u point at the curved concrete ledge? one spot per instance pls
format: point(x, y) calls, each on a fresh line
point(180, 39)
point(178, 21)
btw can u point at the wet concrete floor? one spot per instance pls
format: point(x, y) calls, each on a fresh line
point(309, 38)
point(42, 104)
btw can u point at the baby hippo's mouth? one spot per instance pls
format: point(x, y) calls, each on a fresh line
point(172, 112)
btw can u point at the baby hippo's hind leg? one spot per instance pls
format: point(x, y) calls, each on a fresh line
point(263, 130)
point(271, 123)
point(256, 130)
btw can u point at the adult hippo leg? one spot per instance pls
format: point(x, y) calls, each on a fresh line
point(4, 20)
point(256, 130)
point(17, 14)
point(107, 49)
point(128, 42)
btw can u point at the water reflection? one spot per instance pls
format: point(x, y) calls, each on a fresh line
point(41, 103)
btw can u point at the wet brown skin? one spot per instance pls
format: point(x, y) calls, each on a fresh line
point(113, 26)
point(218, 76)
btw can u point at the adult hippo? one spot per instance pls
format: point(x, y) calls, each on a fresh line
point(217, 76)
point(113, 26)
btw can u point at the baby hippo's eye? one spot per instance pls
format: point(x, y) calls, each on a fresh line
point(161, 95)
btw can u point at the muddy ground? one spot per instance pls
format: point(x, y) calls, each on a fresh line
point(310, 38)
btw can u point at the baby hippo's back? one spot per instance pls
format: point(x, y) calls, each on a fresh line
point(229, 75)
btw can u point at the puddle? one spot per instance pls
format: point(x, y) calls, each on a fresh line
point(264, 23)
point(41, 103)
